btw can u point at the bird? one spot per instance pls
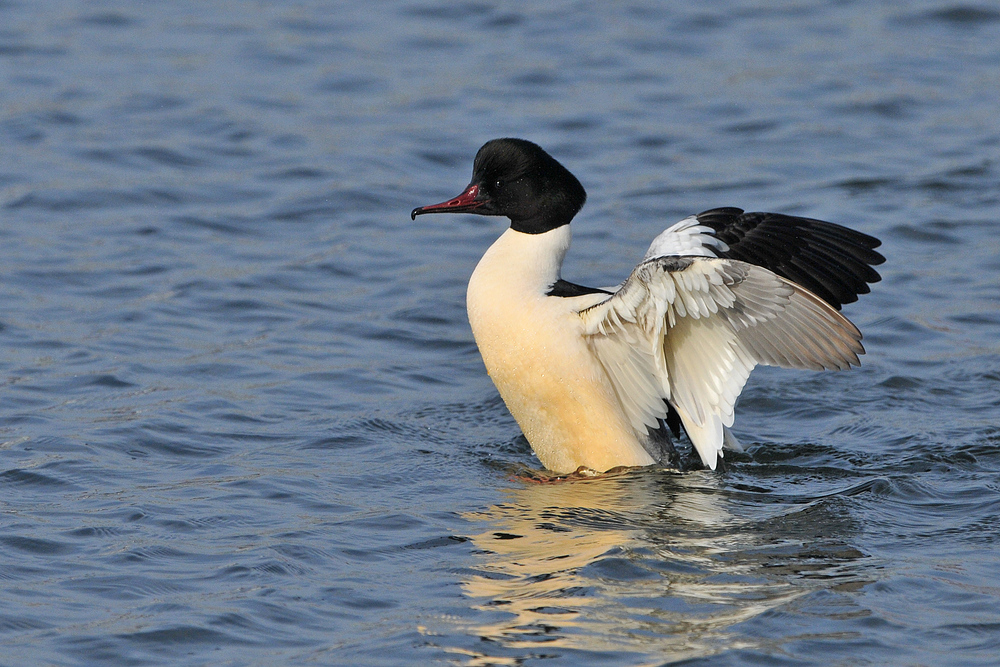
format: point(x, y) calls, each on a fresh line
point(601, 378)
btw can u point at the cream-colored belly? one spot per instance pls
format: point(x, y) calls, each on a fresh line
point(551, 382)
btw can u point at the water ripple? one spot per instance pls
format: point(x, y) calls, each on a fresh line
point(244, 420)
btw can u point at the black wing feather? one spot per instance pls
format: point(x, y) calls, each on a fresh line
point(832, 261)
point(564, 288)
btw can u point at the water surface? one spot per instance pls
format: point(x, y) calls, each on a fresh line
point(243, 420)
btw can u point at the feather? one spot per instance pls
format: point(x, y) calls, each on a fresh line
point(690, 330)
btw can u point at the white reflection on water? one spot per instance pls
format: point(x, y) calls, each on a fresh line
point(641, 561)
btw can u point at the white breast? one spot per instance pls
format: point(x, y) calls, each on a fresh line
point(535, 352)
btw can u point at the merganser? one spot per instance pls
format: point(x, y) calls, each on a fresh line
point(596, 378)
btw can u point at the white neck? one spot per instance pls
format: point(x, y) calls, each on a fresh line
point(521, 264)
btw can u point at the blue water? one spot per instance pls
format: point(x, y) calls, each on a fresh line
point(242, 417)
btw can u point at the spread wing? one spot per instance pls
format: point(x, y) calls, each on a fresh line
point(689, 330)
point(833, 262)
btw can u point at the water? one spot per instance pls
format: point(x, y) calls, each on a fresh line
point(243, 421)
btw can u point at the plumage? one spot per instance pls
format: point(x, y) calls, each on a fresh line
point(592, 375)
point(829, 260)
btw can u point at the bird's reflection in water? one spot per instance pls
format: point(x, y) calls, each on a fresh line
point(639, 561)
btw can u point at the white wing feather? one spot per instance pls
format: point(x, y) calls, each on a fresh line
point(690, 329)
point(687, 238)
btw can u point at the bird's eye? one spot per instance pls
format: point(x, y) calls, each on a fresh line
point(498, 184)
